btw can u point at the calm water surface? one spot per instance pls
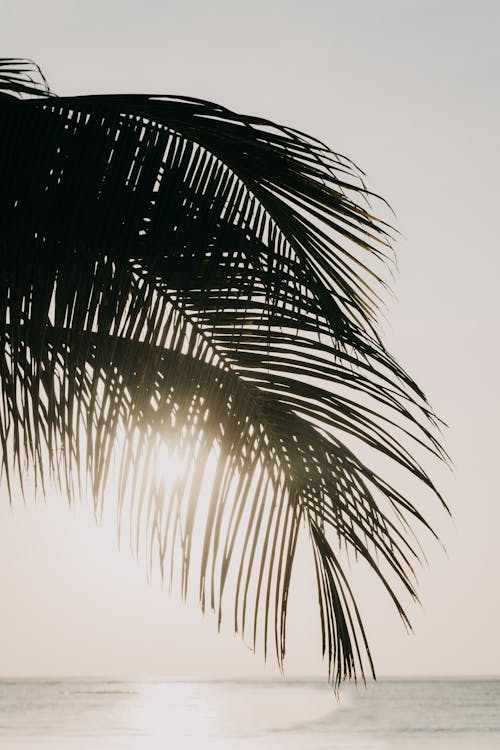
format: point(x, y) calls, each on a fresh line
point(233, 715)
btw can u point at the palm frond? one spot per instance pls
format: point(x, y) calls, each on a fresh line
point(21, 78)
point(175, 273)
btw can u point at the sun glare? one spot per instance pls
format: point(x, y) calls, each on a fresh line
point(162, 493)
point(171, 467)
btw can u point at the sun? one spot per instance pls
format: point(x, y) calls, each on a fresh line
point(163, 490)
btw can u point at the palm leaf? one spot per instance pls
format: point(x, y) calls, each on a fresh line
point(174, 273)
point(20, 78)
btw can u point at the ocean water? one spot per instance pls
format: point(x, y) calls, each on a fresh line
point(99, 715)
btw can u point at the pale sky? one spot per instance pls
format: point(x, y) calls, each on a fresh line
point(409, 90)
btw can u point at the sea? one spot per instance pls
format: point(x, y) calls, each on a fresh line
point(233, 714)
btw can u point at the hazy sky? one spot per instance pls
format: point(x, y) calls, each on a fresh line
point(409, 90)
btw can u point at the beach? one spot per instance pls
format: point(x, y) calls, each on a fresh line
point(105, 714)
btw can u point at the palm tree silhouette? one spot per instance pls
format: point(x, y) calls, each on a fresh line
point(174, 273)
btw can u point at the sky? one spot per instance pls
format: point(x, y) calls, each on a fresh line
point(408, 90)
